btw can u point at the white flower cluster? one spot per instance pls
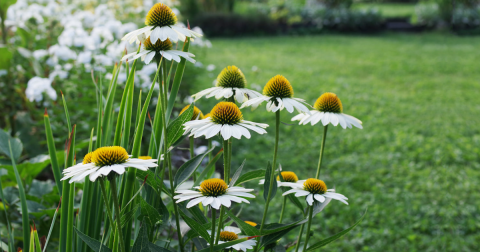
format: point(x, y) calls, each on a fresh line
point(90, 39)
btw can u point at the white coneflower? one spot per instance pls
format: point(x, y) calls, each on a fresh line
point(158, 50)
point(288, 177)
point(226, 119)
point(229, 234)
point(230, 82)
point(103, 161)
point(328, 109)
point(279, 93)
point(161, 25)
point(314, 189)
point(214, 192)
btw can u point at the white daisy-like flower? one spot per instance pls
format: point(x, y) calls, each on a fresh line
point(229, 233)
point(279, 93)
point(226, 119)
point(149, 51)
point(214, 192)
point(230, 82)
point(328, 109)
point(161, 24)
point(314, 189)
point(103, 161)
point(288, 177)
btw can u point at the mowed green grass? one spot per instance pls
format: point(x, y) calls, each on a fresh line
point(415, 165)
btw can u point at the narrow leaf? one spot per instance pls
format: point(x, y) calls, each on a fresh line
point(141, 243)
point(175, 129)
point(251, 175)
point(195, 226)
point(187, 169)
point(266, 186)
point(92, 243)
point(246, 228)
point(207, 170)
point(149, 214)
point(237, 174)
point(177, 80)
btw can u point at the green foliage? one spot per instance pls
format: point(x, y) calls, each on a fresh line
point(92, 243)
point(266, 186)
point(175, 128)
point(16, 144)
point(418, 138)
point(187, 169)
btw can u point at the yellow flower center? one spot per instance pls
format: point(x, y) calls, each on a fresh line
point(315, 186)
point(158, 46)
point(196, 112)
point(145, 157)
point(226, 113)
point(231, 76)
point(228, 236)
point(251, 223)
point(278, 86)
point(288, 176)
point(88, 158)
point(160, 15)
point(213, 187)
point(105, 156)
point(329, 102)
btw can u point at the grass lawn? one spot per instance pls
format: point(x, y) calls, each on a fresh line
point(389, 9)
point(416, 163)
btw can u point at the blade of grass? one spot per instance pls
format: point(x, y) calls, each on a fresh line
point(70, 217)
point(53, 152)
point(23, 200)
point(99, 99)
point(128, 108)
point(109, 104)
point(66, 113)
point(31, 246)
point(38, 247)
point(51, 228)
point(9, 230)
point(177, 80)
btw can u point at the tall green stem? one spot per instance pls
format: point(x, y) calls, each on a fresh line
point(322, 148)
point(272, 175)
point(163, 96)
point(283, 209)
point(116, 206)
point(212, 238)
point(192, 154)
point(310, 217)
point(107, 204)
point(226, 174)
point(299, 237)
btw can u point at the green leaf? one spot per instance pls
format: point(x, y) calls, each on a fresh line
point(52, 152)
point(195, 211)
point(237, 174)
point(128, 216)
point(141, 243)
point(187, 169)
point(23, 199)
point(92, 243)
point(177, 80)
point(210, 166)
point(246, 228)
point(318, 207)
point(224, 245)
point(175, 128)
point(195, 226)
point(266, 185)
point(330, 239)
point(155, 248)
point(251, 175)
point(275, 227)
point(6, 56)
point(273, 237)
point(149, 214)
point(17, 146)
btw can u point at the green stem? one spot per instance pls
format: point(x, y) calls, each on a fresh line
point(107, 204)
point(192, 154)
point(272, 175)
point(116, 206)
point(283, 209)
point(212, 238)
point(222, 211)
point(299, 237)
point(310, 217)
point(226, 175)
point(209, 146)
point(321, 151)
